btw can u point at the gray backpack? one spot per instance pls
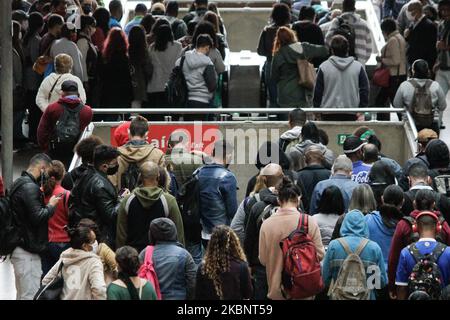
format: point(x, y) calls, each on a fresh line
point(422, 104)
point(442, 183)
point(351, 282)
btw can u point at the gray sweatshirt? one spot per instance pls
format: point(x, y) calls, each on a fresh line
point(341, 83)
point(201, 77)
point(66, 46)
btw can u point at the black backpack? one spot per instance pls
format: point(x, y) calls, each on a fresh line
point(188, 199)
point(348, 32)
point(176, 87)
point(9, 227)
point(426, 275)
point(67, 129)
point(414, 236)
point(130, 179)
point(175, 25)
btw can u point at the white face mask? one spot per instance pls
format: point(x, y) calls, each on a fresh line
point(95, 247)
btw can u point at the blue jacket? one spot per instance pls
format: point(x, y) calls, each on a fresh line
point(344, 183)
point(218, 200)
point(354, 229)
point(380, 233)
point(175, 269)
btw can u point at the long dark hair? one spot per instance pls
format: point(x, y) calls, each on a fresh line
point(163, 36)
point(137, 44)
point(332, 201)
point(102, 17)
point(158, 23)
point(128, 260)
point(205, 27)
point(35, 22)
point(392, 199)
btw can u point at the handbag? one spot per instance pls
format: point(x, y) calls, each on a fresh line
point(382, 76)
point(42, 62)
point(53, 289)
point(307, 74)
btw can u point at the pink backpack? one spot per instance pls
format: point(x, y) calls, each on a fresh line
point(147, 271)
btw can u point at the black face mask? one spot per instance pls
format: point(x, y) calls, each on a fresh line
point(112, 170)
point(87, 8)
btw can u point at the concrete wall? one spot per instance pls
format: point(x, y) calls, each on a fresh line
point(395, 137)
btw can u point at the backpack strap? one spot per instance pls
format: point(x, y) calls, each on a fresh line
point(428, 84)
point(53, 87)
point(344, 245)
point(165, 205)
point(303, 223)
point(414, 83)
point(361, 246)
point(128, 203)
point(149, 255)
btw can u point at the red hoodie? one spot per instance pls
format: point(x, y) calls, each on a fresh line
point(60, 218)
point(401, 239)
point(52, 114)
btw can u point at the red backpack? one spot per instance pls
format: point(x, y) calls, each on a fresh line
point(301, 276)
point(147, 271)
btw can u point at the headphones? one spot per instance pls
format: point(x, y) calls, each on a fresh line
point(415, 229)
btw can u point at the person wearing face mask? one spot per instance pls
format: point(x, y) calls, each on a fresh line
point(47, 129)
point(106, 254)
point(421, 35)
point(81, 259)
point(89, 55)
point(85, 8)
point(94, 196)
point(32, 214)
point(68, 46)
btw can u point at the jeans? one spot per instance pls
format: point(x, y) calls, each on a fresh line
point(196, 251)
point(27, 271)
point(52, 254)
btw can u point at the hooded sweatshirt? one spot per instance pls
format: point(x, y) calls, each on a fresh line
point(297, 153)
point(200, 75)
point(285, 73)
point(83, 274)
point(380, 233)
point(138, 210)
point(290, 137)
point(135, 151)
point(354, 230)
point(341, 83)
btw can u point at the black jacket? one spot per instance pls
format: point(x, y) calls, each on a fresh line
point(422, 42)
point(310, 176)
point(95, 197)
point(32, 214)
point(442, 203)
point(252, 229)
point(71, 177)
point(310, 32)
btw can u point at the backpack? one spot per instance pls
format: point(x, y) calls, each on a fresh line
point(268, 211)
point(163, 199)
point(176, 87)
point(130, 178)
point(351, 282)
point(67, 129)
point(301, 275)
point(442, 183)
point(147, 271)
point(188, 199)
point(175, 24)
point(348, 32)
point(414, 236)
point(426, 275)
point(9, 227)
point(422, 104)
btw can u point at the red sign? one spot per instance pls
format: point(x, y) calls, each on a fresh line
point(200, 137)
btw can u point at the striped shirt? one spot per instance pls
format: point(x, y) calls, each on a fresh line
point(363, 35)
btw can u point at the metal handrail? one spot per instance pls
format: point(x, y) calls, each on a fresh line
point(240, 110)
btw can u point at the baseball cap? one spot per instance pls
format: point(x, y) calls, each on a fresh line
point(425, 135)
point(69, 86)
point(353, 144)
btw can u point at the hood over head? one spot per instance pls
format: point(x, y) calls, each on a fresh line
point(355, 225)
point(162, 229)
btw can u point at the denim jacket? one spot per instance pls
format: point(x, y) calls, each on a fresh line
point(218, 200)
point(175, 269)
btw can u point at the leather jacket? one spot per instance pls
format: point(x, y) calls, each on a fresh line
point(93, 196)
point(31, 213)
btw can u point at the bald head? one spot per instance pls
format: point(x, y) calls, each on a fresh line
point(149, 171)
point(371, 153)
point(272, 173)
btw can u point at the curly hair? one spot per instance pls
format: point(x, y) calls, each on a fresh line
point(223, 246)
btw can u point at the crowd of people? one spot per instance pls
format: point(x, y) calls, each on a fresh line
point(135, 223)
